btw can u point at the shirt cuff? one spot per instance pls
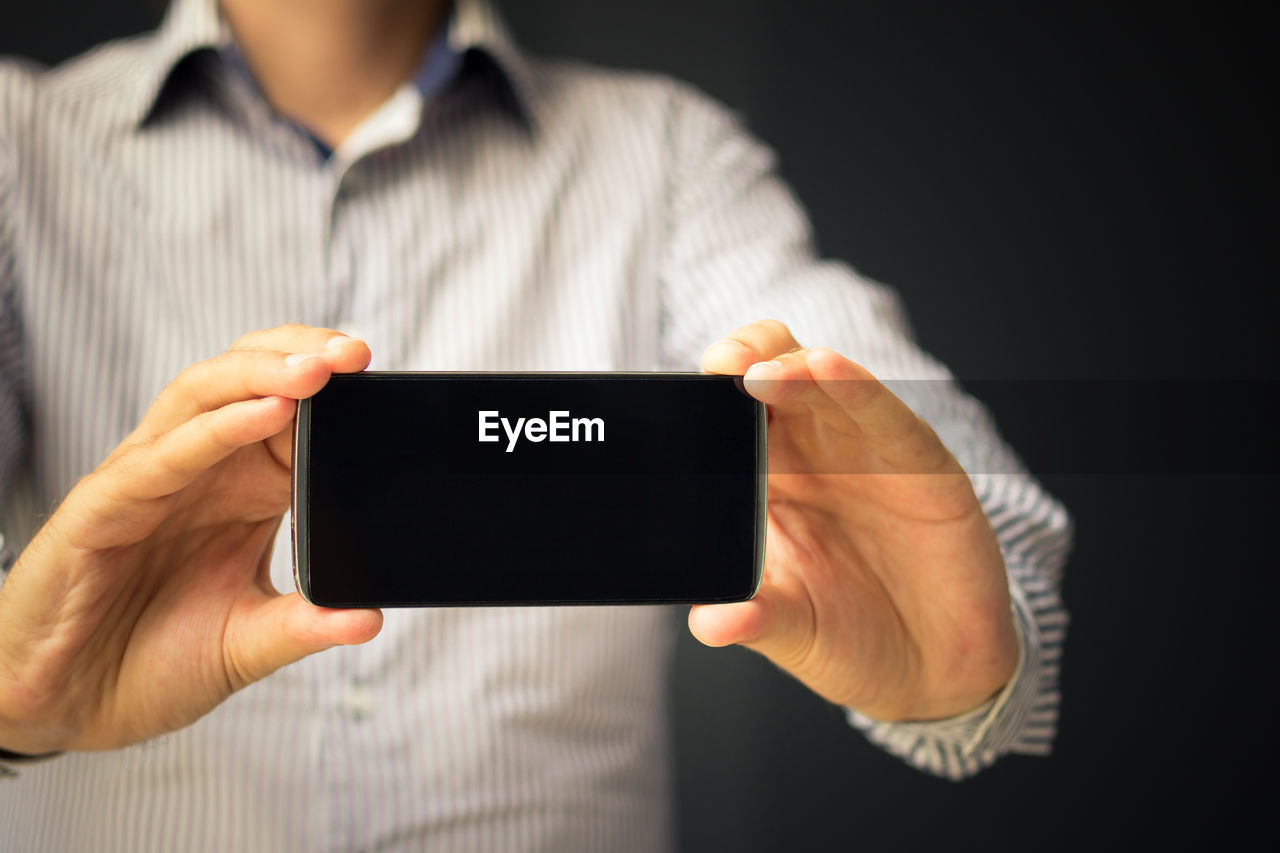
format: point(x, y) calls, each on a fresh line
point(11, 761)
point(960, 746)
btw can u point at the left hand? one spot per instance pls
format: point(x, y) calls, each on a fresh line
point(884, 590)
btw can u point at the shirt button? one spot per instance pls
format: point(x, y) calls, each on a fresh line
point(359, 702)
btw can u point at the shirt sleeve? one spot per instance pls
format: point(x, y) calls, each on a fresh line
point(739, 249)
point(13, 438)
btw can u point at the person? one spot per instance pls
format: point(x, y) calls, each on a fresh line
point(401, 172)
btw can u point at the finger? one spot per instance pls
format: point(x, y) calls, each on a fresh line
point(786, 379)
point(330, 343)
point(760, 341)
point(282, 629)
point(231, 377)
point(885, 423)
point(770, 623)
point(119, 502)
point(342, 353)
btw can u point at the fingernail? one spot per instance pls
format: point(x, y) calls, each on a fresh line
point(296, 358)
point(339, 341)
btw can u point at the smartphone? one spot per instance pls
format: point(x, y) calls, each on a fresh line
point(430, 489)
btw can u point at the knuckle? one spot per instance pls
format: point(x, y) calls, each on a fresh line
point(125, 461)
point(106, 485)
point(193, 381)
point(232, 362)
point(211, 428)
point(189, 376)
point(250, 340)
point(247, 346)
point(775, 328)
point(769, 334)
point(287, 337)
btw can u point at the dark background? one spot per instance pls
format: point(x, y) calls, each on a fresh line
point(1073, 191)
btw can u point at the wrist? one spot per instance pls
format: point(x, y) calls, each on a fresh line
point(969, 683)
point(16, 746)
point(930, 710)
point(17, 743)
point(29, 734)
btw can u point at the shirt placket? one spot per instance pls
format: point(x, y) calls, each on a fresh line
point(348, 708)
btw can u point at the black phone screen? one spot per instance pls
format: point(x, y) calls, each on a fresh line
point(416, 489)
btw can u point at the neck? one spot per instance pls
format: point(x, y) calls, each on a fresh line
point(328, 64)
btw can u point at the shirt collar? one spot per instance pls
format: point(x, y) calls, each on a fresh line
point(192, 26)
point(439, 65)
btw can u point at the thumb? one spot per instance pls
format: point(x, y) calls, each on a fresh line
point(282, 629)
point(771, 623)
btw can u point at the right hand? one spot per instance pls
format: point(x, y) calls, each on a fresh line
point(146, 599)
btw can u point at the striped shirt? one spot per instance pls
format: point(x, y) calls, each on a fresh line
point(531, 215)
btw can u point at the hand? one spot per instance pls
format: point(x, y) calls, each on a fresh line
point(884, 588)
point(145, 599)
